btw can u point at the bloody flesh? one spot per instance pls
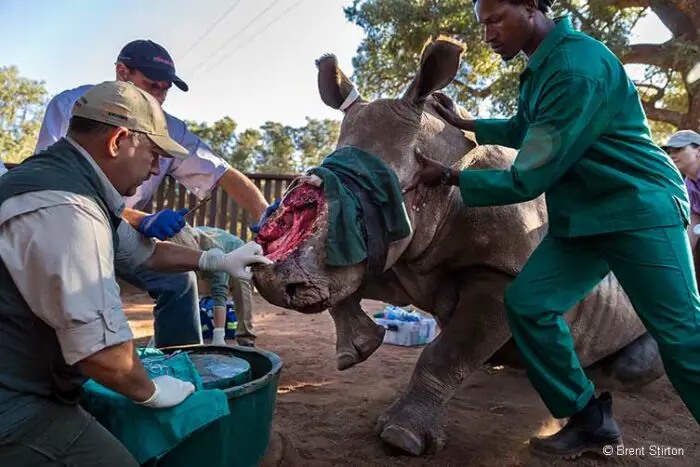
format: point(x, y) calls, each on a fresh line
point(292, 223)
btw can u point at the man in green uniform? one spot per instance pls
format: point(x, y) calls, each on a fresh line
point(615, 201)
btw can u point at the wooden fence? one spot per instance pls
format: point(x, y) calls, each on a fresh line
point(221, 210)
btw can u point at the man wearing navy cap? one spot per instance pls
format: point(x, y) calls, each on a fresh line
point(151, 60)
point(150, 67)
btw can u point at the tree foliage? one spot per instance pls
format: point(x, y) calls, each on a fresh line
point(22, 104)
point(397, 29)
point(315, 141)
point(272, 148)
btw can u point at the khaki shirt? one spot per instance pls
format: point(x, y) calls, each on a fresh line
point(58, 248)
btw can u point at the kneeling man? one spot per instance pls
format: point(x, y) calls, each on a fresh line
point(61, 317)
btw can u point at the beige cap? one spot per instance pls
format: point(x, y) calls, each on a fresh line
point(121, 103)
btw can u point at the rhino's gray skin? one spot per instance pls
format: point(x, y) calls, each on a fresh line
point(456, 264)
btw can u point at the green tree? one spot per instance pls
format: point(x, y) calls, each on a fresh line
point(247, 149)
point(397, 29)
point(277, 154)
point(22, 104)
point(221, 137)
point(274, 147)
point(315, 141)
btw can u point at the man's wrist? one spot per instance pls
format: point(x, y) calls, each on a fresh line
point(450, 177)
point(134, 217)
point(153, 397)
point(210, 259)
point(464, 124)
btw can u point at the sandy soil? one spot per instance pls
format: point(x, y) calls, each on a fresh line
point(325, 417)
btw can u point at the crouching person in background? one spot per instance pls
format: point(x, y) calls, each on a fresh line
point(218, 285)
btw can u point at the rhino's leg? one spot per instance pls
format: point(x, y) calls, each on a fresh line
point(477, 328)
point(632, 367)
point(357, 335)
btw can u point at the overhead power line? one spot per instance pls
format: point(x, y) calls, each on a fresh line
point(206, 33)
point(256, 34)
point(230, 39)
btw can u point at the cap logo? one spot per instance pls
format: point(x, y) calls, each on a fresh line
point(120, 117)
point(163, 60)
point(114, 111)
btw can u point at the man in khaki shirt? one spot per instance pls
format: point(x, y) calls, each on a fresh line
point(61, 317)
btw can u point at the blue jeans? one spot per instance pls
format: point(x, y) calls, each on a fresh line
point(176, 312)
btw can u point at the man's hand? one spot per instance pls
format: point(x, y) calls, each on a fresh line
point(448, 111)
point(163, 224)
point(168, 393)
point(120, 369)
point(235, 263)
point(430, 172)
point(255, 228)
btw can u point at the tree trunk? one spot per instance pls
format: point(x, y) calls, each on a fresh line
point(681, 54)
point(692, 120)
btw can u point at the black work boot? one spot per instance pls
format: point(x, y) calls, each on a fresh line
point(588, 430)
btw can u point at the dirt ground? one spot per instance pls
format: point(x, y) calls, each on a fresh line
point(325, 417)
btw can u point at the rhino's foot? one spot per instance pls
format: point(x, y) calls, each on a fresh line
point(631, 368)
point(639, 363)
point(360, 346)
point(412, 427)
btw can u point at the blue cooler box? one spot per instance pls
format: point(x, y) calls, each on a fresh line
point(406, 328)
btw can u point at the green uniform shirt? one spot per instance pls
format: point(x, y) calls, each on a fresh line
point(584, 141)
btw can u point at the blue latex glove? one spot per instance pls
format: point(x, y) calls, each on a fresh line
point(163, 224)
point(270, 209)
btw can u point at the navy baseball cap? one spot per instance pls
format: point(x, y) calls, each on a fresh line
point(152, 60)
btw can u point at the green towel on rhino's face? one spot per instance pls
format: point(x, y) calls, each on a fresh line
point(345, 245)
point(151, 433)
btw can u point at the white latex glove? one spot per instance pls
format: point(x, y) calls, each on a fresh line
point(235, 263)
point(169, 392)
point(218, 337)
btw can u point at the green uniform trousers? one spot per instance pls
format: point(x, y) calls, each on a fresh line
point(653, 266)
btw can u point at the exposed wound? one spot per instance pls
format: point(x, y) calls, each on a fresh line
point(292, 223)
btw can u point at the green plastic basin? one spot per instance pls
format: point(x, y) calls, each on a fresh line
point(240, 439)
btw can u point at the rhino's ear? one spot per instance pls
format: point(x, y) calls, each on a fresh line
point(336, 90)
point(438, 66)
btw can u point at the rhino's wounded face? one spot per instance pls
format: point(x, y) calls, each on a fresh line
point(295, 235)
point(295, 221)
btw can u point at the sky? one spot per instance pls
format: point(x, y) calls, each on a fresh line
point(255, 64)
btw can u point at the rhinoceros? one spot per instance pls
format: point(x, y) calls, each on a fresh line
point(454, 264)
